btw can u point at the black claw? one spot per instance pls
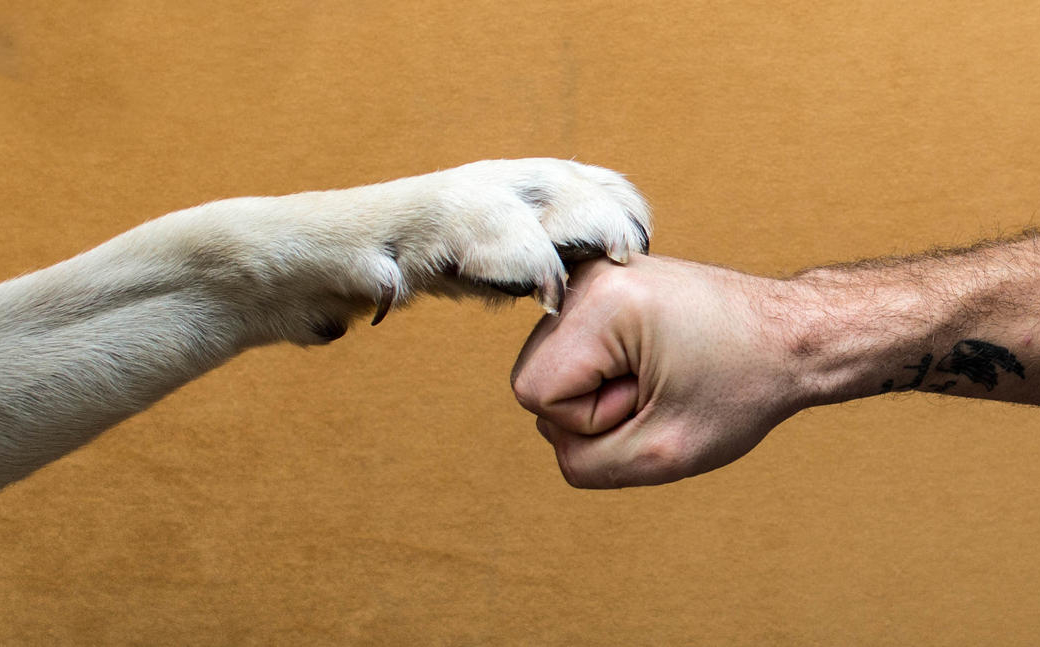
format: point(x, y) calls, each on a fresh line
point(385, 301)
point(644, 237)
point(561, 293)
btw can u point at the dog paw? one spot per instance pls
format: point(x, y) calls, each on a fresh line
point(512, 227)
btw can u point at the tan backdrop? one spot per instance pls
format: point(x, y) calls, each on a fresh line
point(387, 490)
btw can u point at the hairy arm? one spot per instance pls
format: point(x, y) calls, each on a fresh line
point(961, 322)
point(672, 368)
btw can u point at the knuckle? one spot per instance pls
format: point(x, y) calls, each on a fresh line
point(664, 454)
point(579, 472)
point(575, 477)
point(613, 284)
point(526, 393)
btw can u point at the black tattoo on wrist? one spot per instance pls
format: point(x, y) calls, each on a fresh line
point(939, 388)
point(979, 360)
point(975, 359)
point(922, 370)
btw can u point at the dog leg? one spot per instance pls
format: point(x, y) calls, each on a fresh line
point(90, 341)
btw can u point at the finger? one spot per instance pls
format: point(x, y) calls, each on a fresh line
point(543, 427)
point(602, 409)
point(542, 329)
point(570, 356)
point(577, 282)
point(591, 462)
point(549, 431)
point(574, 382)
point(637, 452)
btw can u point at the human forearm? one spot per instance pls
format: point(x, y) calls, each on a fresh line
point(960, 322)
point(665, 368)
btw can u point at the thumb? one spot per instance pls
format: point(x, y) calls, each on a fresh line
point(598, 411)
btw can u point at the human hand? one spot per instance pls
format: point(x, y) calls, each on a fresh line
point(656, 371)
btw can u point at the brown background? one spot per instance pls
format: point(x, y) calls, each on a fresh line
point(387, 489)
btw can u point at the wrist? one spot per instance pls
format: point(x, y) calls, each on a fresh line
point(960, 325)
point(849, 335)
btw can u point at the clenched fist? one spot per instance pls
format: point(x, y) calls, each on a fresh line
point(656, 371)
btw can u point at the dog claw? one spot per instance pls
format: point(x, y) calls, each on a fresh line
point(386, 299)
point(551, 296)
point(618, 254)
point(644, 236)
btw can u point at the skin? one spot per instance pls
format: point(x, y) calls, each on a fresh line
point(663, 369)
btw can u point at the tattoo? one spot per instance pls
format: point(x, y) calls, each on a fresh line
point(922, 370)
point(975, 359)
point(978, 360)
point(939, 388)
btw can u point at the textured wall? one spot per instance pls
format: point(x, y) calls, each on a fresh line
point(387, 489)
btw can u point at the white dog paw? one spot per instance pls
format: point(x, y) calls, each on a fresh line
point(512, 226)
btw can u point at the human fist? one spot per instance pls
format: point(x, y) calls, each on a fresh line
point(655, 371)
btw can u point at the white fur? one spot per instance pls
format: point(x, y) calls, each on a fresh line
point(95, 339)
